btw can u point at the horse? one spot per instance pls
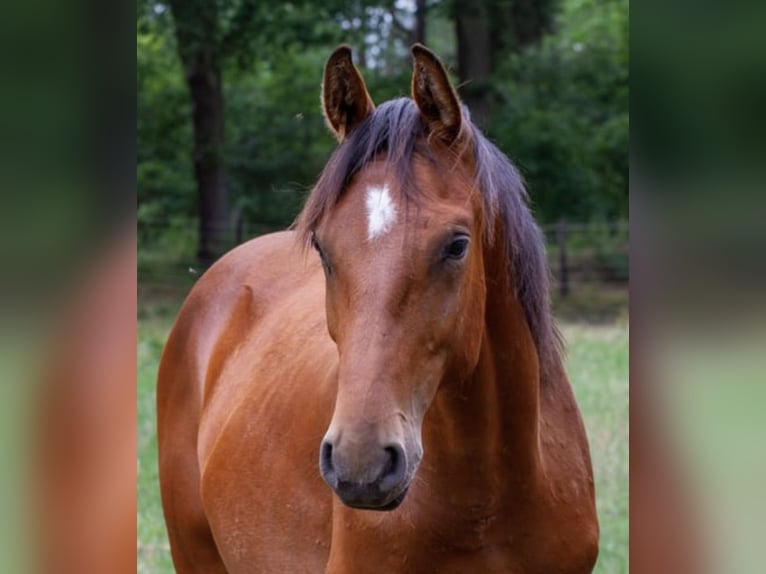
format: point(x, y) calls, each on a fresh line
point(380, 388)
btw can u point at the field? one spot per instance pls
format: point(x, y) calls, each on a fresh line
point(597, 362)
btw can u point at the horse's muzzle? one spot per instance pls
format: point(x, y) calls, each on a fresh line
point(377, 484)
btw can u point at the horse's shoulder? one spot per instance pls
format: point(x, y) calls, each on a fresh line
point(255, 267)
point(243, 283)
point(266, 256)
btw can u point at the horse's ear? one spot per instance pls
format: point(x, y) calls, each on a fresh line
point(345, 100)
point(434, 95)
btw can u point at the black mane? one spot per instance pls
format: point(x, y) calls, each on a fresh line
point(396, 128)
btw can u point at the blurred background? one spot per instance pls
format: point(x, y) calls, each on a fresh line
point(553, 95)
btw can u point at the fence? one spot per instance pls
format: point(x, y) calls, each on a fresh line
point(585, 258)
point(587, 254)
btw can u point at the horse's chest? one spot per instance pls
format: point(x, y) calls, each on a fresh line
point(471, 540)
point(419, 556)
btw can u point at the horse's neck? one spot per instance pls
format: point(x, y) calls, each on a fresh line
point(487, 427)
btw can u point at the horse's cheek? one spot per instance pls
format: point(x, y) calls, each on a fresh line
point(471, 322)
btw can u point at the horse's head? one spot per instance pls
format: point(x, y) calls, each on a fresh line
point(401, 247)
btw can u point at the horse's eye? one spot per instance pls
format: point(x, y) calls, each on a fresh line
point(457, 248)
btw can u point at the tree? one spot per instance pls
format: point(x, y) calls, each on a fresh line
point(487, 32)
point(197, 35)
point(474, 55)
point(214, 36)
point(556, 102)
point(562, 112)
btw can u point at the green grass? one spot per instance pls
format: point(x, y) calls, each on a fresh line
point(597, 362)
point(153, 549)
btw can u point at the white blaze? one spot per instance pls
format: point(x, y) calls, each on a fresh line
point(381, 212)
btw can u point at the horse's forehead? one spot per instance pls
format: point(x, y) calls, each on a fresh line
point(376, 209)
point(382, 209)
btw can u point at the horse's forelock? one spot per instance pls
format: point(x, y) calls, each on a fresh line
point(393, 128)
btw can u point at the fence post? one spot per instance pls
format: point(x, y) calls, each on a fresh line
point(561, 239)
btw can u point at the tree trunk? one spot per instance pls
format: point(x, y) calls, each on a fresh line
point(474, 56)
point(196, 28)
point(530, 19)
point(207, 104)
point(419, 32)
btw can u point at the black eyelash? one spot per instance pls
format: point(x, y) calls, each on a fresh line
point(322, 255)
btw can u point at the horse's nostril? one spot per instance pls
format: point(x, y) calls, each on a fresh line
point(393, 457)
point(393, 473)
point(326, 466)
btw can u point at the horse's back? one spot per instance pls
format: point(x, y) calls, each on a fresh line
point(244, 394)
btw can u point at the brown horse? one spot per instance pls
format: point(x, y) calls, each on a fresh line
point(411, 354)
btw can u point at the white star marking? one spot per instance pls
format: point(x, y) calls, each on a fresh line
point(381, 212)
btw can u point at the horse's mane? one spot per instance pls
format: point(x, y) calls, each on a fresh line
point(396, 128)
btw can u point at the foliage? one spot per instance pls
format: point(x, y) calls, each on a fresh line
point(560, 105)
point(164, 172)
point(280, 146)
point(563, 114)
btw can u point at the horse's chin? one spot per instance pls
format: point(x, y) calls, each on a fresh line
point(387, 507)
point(394, 504)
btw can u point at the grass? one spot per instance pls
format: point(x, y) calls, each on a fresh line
point(153, 549)
point(597, 362)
